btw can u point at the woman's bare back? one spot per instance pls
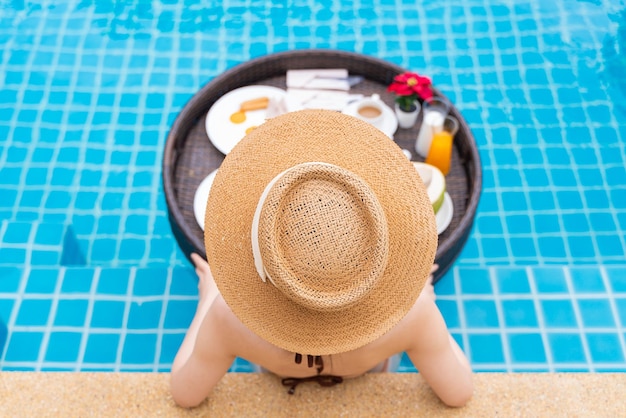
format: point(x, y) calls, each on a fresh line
point(216, 337)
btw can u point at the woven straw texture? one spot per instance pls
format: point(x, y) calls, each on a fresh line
point(359, 148)
point(323, 237)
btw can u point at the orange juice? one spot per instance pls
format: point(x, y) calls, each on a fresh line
point(440, 152)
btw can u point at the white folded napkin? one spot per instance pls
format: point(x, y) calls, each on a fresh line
point(319, 79)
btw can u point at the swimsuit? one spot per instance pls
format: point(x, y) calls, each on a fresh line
point(390, 365)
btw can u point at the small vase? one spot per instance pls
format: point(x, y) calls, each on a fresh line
point(407, 119)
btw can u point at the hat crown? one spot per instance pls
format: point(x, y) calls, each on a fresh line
point(323, 236)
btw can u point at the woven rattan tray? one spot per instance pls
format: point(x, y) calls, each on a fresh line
point(189, 156)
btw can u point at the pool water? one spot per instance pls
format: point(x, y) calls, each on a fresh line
point(91, 277)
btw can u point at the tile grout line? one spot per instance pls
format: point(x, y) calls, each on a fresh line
point(540, 319)
point(164, 305)
point(123, 330)
point(579, 319)
point(621, 335)
point(462, 318)
point(87, 321)
point(506, 347)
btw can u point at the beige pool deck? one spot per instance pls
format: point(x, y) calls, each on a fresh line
point(30, 394)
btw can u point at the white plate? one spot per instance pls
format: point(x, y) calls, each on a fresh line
point(389, 124)
point(225, 134)
point(444, 215)
point(200, 198)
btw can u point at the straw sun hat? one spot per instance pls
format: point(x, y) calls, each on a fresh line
point(319, 232)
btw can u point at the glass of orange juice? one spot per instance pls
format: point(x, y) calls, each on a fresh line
point(440, 153)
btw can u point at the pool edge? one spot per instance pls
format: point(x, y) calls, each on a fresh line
point(245, 394)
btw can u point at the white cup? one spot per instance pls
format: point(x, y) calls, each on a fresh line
point(370, 109)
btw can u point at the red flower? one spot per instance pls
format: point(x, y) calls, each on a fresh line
point(409, 86)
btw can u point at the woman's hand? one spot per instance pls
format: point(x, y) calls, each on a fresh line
point(206, 284)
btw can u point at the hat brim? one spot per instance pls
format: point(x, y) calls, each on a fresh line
point(345, 141)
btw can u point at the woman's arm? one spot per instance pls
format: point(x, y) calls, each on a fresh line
point(437, 356)
point(207, 292)
point(203, 357)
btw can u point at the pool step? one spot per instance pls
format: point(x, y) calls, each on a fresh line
point(39, 244)
point(94, 318)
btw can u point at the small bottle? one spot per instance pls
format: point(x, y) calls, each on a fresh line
point(440, 153)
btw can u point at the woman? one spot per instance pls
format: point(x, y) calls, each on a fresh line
point(321, 238)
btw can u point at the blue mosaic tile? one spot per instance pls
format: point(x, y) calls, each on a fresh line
point(139, 348)
point(514, 201)
point(103, 250)
point(522, 247)
point(144, 315)
point(71, 312)
point(58, 200)
point(494, 247)
point(519, 313)
point(566, 348)
point(587, 280)
point(581, 246)
point(489, 224)
point(485, 348)
point(475, 281)
point(45, 257)
point(77, 280)
point(23, 346)
point(42, 281)
point(605, 347)
point(10, 175)
point(617, 277)
point(63, 347)
point(512, 280)
point(16, 232)
point(132, 249)
point(31, 198)
point(15, 256)
point(480, 314)
point(113, 281)
point(150, 282)
point(552, 247)
point(559, 314)
point(550, 280)
point(596, 313)
point(101, 348)
point(184, 282)
point(610, 246)
point(575, 222)
point(547, 223)
point(526, 348)
point(33, 312)
point(518, 224)
point(107, 314)
point(179, 314)
point(10, 278)
point(541, 200)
